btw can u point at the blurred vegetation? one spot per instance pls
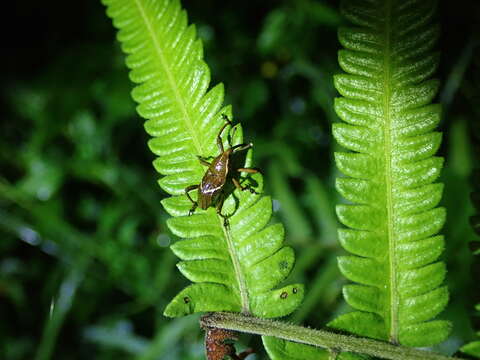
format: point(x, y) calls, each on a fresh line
point(85, 269)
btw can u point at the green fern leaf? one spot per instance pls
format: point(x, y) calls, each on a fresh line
point(233, 269)
point(472, 348)
point(393, 217)
point(278, 349)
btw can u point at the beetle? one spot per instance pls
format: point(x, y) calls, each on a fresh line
point(211, 188)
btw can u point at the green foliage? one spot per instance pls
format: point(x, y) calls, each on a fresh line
point(76, 181)
point(475, 219)
point(234, 267)
point(279, 349)
point(393, 219)
point(472, 348)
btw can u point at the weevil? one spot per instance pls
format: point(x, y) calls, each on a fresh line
point(211, 190)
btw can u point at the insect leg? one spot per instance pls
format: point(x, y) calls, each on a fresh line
point(232, 136)
point(241, 147)
point(249, 170)
point(203, 161)
point(244, 354)
point(225, 117)
point(237, 184)
point(242, 188)
point(219, 136)
point(195, 204)
point(219, 206)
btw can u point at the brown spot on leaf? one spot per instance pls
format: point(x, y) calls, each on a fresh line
point(284, 295)
point(186, 299)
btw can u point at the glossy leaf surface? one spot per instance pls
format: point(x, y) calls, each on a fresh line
point(391, 218)
point(233, 268)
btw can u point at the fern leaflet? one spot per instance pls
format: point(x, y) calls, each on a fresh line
point(393, 217)
point(233, 268)
point(279, 349)
point(473, 348)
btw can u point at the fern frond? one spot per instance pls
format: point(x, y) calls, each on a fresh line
point(236, 268)
point(279, 349)
point(393, 217)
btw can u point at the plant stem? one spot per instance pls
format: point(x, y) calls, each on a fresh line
point(318, 338)
point(61, 307)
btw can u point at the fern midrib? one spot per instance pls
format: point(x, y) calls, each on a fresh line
point(393, 303)
point(242, 284)
point(171, 79)
point(240, 278)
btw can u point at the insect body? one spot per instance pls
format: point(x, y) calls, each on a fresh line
point(211, 189)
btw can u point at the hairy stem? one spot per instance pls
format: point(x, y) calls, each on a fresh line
point(318, 338)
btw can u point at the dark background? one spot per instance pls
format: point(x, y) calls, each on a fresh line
point(85, 269)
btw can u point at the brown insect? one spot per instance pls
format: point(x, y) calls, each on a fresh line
point(211, 189)
point(219, 344)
